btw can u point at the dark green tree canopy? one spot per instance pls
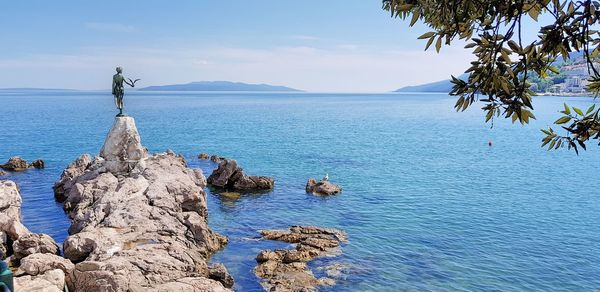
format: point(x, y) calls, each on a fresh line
point(505, 61)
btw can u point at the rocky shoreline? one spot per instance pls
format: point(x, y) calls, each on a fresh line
point(139, 222)
point(33, 257)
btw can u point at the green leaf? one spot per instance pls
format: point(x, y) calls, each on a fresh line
point(427, 35)
point(504, 86)
point(567, 110)
point(438, 44)
point(590, 109)
point(505, 57)
point(534, 13)
point(578, 111)
point(429, 42)
point(415, 17)
point(562, 120)
point(514, 46)
point(489, 115)
point(552, 144)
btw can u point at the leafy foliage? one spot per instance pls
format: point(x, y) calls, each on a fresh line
point(504, 62)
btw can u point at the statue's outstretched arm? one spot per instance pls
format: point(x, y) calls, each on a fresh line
point(128, 83)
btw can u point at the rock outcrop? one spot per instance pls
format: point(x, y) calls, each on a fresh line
point(139, 222)
point(39, 263)
point(38, 164)
point(17, 163)
point(70, 174)
point(322, 188)
point(38, 268)
point(230, 176)
point(10, 200)
point(50, 281)
point(217, 159)
point(34, 243)
point(287, 270)
point(219, 273)
point(203, 156)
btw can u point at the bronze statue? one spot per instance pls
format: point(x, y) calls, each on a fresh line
point(118, 90)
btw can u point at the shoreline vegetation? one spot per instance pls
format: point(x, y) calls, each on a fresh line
point(570, 78)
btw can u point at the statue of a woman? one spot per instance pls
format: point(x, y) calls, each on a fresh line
point(118, 90)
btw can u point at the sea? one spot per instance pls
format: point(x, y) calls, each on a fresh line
point(427, 204)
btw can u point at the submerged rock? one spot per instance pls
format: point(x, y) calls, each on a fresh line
point(203, 156)
point(231, 177)
point(230, 195)
point(2, 173)
point(322, 188)
point(287, 270)
point(139, 222)
point(17, 163)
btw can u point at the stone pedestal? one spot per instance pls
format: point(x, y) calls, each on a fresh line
point(122, 149)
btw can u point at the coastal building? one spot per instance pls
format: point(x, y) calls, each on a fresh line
point(556, 88)
point(576, 84)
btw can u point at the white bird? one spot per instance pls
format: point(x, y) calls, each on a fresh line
point(326, 177)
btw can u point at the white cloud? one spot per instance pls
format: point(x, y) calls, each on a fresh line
point(331, 69)
point(305, 37)
point(110, 27)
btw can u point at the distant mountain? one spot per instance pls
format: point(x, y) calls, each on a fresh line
point(438, 86)
point(35, 89)
point(218, 86)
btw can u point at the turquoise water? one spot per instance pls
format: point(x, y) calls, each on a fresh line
point(426, 203)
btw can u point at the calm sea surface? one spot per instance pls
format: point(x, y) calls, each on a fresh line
point(426, 203)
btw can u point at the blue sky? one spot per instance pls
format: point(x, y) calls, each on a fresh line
point(314, 45)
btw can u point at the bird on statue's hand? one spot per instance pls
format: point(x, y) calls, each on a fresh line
point(133, 81)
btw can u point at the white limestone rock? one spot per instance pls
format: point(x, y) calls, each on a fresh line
point(122, 148)
point(51, 281)
point(139, 222)
point(40, 263)
point(10, 199)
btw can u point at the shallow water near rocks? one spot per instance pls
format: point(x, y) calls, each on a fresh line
point(427, 205)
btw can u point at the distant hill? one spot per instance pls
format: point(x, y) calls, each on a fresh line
point(446, 85)
point(438, 86)
point(218, 86)
point(35, 89)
